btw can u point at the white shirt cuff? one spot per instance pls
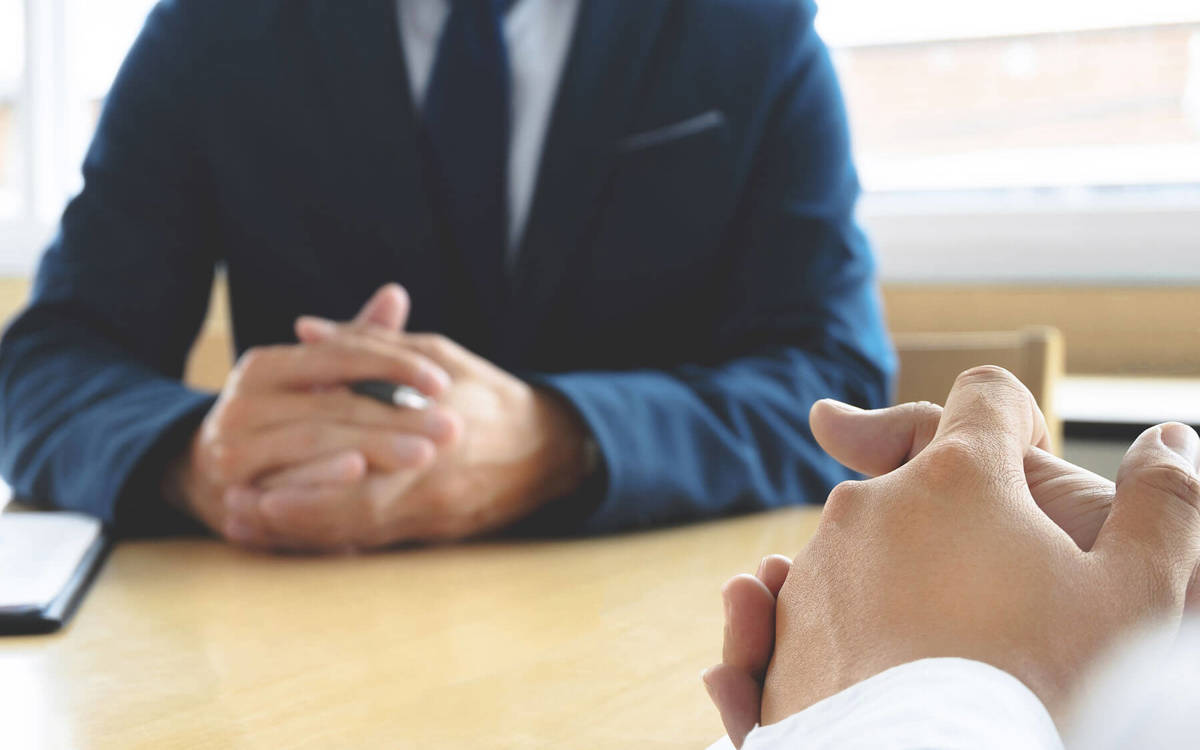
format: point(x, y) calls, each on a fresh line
point(930, 704)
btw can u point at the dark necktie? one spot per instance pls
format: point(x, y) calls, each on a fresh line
point(467, 120)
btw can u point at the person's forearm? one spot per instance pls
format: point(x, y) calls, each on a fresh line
point(83, 423)
point(91, 394)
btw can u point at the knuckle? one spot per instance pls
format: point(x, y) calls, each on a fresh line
point(222, 462)
point(842, 501)
point(437, 345)
point(989, 381)
point(925, 417)
point(234, 413)
point(380, 452)
point(258, 360)
point(951, 460)
point(233, 381)
point(951, 453)
point(252, 360)
point(925, 411)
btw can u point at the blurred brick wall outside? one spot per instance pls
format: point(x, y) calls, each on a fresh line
point(1119, 86)
point(1122, 86)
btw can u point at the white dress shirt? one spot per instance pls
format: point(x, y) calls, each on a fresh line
point(932, 704)
point(538, 33)
point(1145, 695)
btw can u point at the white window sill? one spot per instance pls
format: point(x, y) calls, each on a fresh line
point(1116, 400)
point(1106, 237)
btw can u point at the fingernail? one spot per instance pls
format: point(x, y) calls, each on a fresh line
point(318, 326)
point(840, 405)
point(354, 466)
point(436, 380)
point(1183, 440)
point(410, 450)
point(704, 676)
point(762, 567)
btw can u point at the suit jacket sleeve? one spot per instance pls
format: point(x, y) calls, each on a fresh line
point(801, 322)
point(89, 372)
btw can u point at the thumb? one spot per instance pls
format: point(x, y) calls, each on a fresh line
point(388, 308)
point(873, 442)
point(1154, 528)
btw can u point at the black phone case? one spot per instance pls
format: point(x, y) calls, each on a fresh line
point(35, 620)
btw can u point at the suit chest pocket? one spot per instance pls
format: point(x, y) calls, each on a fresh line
point(664, 212)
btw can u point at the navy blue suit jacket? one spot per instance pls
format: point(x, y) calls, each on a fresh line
point(690, 290)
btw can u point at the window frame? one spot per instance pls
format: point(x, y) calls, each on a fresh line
point(41, 106)
point(1031, 238)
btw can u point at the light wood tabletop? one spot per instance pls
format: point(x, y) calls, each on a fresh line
point(592, 644)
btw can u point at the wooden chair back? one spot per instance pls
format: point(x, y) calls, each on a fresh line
point(929, 363)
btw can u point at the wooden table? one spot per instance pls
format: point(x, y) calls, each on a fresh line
point(586, 644)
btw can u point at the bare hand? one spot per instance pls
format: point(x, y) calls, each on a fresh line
point(950, 555)
point(284, 406)
point(875, 443)
point(520, 448)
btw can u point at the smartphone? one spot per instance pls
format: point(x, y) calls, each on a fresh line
point(47, 562)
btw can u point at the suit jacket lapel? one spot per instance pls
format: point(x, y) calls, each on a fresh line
point(612, 43)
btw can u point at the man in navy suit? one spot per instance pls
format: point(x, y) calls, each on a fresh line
point(628, 224)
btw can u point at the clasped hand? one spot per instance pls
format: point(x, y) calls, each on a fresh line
point(970, 541)
point(289, 458)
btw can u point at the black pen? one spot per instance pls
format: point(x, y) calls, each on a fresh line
point(391, 394)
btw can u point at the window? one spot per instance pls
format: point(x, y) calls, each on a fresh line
point(12, 69)
point(57, 60)
point(98, 36)
point(1030, 139)
point(1033, 140)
